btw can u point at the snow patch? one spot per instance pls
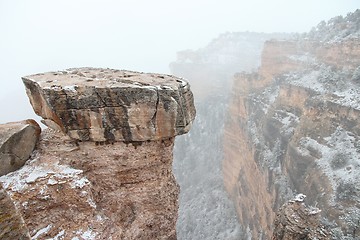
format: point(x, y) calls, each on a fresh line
point(288, 121)
point(36, 174)
point(41, 232)
point(80, 183)
point(58, 236)
point(300, 197)
point(91, 203)
point(71, 88)
point(87, 235)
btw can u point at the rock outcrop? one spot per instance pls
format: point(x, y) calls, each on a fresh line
point(292, 127)
point(91, 104)
point(17, 141)
point(117, 182)
point(296, 221)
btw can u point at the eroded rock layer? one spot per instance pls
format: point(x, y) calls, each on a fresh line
point(292, 127)
point(90, 191)
point(117, 181)
point(112, 105)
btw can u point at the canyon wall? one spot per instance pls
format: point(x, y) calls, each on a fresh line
point(205, 210)
point(293, 127)
point(103, 168)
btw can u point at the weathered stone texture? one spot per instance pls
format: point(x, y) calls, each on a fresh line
point(17, 141)
point(293, 127)
point(106, 191)
point(117, 182)
point(91, 104)
point(296, 221)
point(12, 225)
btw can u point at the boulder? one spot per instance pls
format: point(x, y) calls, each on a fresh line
point(17, 141)
point(94, 104)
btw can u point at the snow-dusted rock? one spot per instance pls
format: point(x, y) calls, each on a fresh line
point(93, 104)
point(117, 182)
point(12, 224)
point(295, 220)
point(17, 141)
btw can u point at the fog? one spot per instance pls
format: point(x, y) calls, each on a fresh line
point(139, 35)
point(43, 35)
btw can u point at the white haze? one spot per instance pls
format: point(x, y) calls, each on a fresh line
point(141, 35)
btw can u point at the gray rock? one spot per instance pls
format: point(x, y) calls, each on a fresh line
point(17, 141)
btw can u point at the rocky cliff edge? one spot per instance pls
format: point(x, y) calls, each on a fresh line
point(103, 168)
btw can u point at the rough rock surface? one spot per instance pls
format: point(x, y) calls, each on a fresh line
point(12, 225)
point(117, 182)
point(112, 105)
point(292, 127)
point(295, 221)
point(198, 155)
point(93, 191)
point(17, 141)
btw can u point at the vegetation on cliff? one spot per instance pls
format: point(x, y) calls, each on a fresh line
point(337, 29)
point(293, 127)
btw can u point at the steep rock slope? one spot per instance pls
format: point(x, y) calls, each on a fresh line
point(205, 210)
point(295, 220)
point(293, 126)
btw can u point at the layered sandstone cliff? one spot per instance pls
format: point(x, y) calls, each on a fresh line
point(295, 220)
point(292, 127)
point(205, 210)
point(104, 170)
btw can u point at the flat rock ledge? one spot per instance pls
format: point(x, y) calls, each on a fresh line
point(95, 104)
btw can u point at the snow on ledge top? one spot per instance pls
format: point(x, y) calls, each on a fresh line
point(73, 78)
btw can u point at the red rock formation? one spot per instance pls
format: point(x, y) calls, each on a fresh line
point(116, 190)
point(293, 127)
point(112, 105)
point(109, 189)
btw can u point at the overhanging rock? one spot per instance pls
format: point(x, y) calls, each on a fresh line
point(94, 104)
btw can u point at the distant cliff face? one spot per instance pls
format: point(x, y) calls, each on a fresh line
point(205, 210)
point(210, 69)
point(292, 127)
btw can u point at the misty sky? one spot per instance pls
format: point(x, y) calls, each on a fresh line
point(142, 35)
